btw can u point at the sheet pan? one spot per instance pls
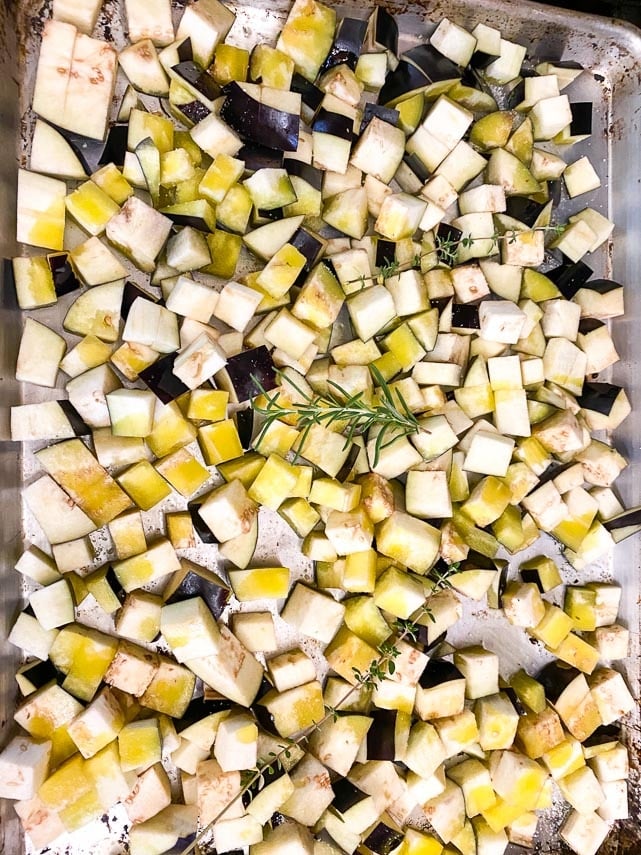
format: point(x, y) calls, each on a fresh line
point(612, 52)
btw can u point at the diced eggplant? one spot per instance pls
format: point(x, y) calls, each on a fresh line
point(258, 121)
point(197, 79)
point(200, 526)
point(198, 214)
point(260, 157)
point(465, 316)
point(570, 277)
point(383, 840)
point(348, 42)
point(248, 374)
point(311, 96)
point(160, 378)
point(194, 581)
point(245, 425)
point(381, 742)
point(385, 114)
point(404, 81)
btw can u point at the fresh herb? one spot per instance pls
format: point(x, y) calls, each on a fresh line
point(354, 414)
point(447, 252)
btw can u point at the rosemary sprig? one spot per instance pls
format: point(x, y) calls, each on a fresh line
point(353, 413)
point(447, 250)
point(379, 669)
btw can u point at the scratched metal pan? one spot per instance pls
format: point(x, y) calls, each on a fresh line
point(612, 53)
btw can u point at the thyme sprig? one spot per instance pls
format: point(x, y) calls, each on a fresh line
point(446, 249)
point(353, 413)
point(381, 668)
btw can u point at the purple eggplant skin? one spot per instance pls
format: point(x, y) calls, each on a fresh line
point(41, 673)
point(311, 95)
point(334, 124)
point(248, 374)
point(514, 700)
point(200, 526)
point(350, 461)
point(245, 426)
point(309, 245)
point(88, 151)
point(348, 43)
point(465, 316)
point(414, 162)
point(193, 585)
point(570, 277)
point(259, 123)
point(199, 708)
point(193, 220)
point(581, 118)
point(114, 584)
point(385, 29)
point(523, 209)
point(78, 425)
point(65, 280)
point(405, 78)
point(437, 672)
point(385, 114)
point(160, 378)
point(198, 79)
point(555, 678)
point(432, 63)
point(260, 157)
point(599, 397)
point(309, 173)
point(346, 795)
point(115, 146)
point(380, 736)
point(383, 840)
point(194, 111)
point(385, 252)
point(130, 293)
point(631, 517)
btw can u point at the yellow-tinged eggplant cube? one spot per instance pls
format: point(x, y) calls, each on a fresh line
point(347, 655)
point(487, 501)
point(262, 582)
point(418, 843)
point(564, 758)
point(180, 530)
point(538, 733)
point(276, 438)
point(219, 442)
point(359, 572)
point(543, 571)
point(553, 628)
point(223, 173)
point(281, 271)
point(171, 431)
point(335, 495)
point(131, 358)
point(183, 471)
point(208, 405)
point(139, 745)
point(176, 166)
point(408, 540)
point(224, 248)
point(128, 534)
point(580, 606)
point(230, 63)
point(304, 482)
point(474, 779)
point(170, 690)
point(91, 207)
point(295, 709)
point(405, 346)
point(243, 469)
point(578, 653)
point(518, 780)
point(299, 515)
point(110, 179)
point(34, 282)
point(144, 485)
point(274, 482)
point(364, 618)
point(83, 655)
point(501, 814)
point(68, 783)
point(399, 593)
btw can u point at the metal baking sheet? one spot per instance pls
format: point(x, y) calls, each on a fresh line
point(612, 52)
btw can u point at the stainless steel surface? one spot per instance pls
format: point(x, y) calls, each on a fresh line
point(612, 52)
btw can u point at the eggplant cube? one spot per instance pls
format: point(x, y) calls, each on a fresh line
point(412, 542)
point(41, 210)
point(205, 24)
point(489, 454)
point(24, 765)
point(95, 263)
point(295, 709)
point(584, 832)
point(132, 669)
point(236, 305)
point(231, 670)
point(53, 605)
point(480, 669)
point(611, 694)
point(316, 615)
point(236, 743)
point(98, 724)
point(379, 150)
point(497, 721)
point(39, 355)
point(228, 511)
point(139, 232)
point(131, 412)
point(400, 216)
point(157, 561)
point(199, 361)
